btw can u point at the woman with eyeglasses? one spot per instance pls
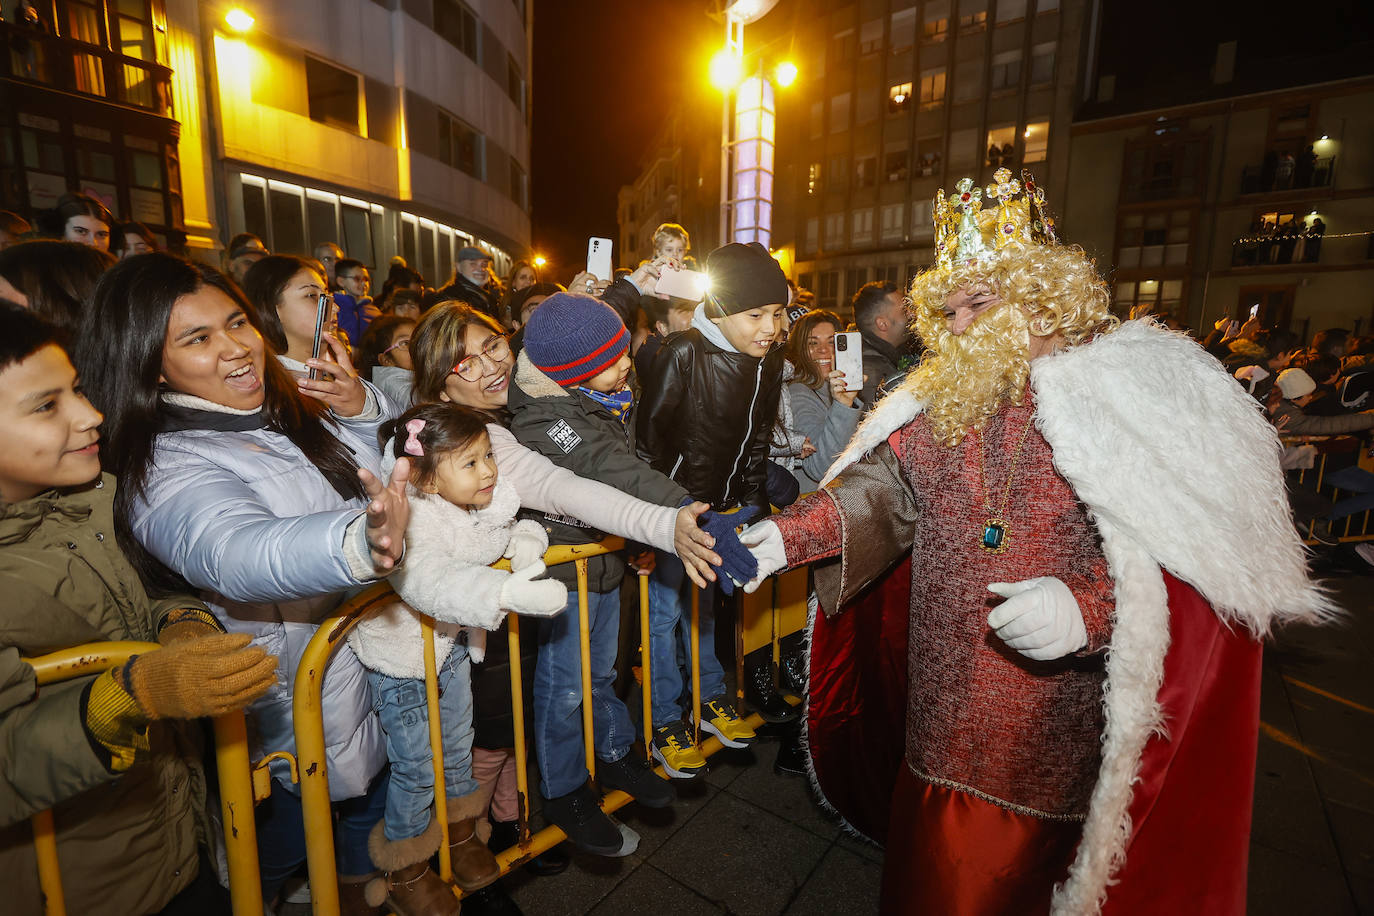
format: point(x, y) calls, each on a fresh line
point(462, 356)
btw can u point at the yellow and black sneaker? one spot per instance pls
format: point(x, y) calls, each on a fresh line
point(720, 719)
point(674, 749)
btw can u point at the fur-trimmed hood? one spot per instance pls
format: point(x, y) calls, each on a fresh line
point(1180, 472)
point(534, 382)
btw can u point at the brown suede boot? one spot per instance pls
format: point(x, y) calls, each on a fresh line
point(473, 865)
point(353, 895)
point(409, 887)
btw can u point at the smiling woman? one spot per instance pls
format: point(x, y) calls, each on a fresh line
point(258, 489)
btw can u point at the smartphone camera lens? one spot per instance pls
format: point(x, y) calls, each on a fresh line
point(841, 343)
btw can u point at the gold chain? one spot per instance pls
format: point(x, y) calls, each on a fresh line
point(983, 474)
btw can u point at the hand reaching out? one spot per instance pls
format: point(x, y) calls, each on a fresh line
point(388, 513)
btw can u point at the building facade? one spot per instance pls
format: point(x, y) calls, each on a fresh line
point(1258, 201)
point(387, 126)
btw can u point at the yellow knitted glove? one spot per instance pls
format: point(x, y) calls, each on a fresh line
point(208, 676)
point(185, 623)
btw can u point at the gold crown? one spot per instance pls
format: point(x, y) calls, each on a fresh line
point(964, 231)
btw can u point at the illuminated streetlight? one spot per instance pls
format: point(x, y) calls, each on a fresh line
point(725, 70)
point(540, 260)
point(239, 19)
point(786, 74)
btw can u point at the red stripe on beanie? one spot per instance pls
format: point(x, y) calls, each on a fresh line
point(598, 369)
point(591, 355)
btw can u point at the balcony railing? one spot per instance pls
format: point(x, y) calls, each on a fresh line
point(1289, 176)
point(74, 66)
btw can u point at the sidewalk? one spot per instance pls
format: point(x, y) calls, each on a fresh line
point(742, 840)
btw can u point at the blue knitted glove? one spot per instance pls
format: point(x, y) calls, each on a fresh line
point(737, 563)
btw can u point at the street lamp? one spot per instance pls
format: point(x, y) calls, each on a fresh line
point(746, 153)
point(239, 19)
point(540, 260)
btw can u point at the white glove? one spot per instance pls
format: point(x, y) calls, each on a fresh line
point(526, 545)
point(525, 593)
point(1040, 618)
point(764, 541)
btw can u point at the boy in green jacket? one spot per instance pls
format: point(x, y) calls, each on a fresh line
point(127, 788)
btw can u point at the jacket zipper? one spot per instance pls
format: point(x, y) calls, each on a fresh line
point(748, 433)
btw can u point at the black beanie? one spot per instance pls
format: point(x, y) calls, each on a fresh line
point(744, 277)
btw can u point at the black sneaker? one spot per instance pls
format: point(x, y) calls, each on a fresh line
point(764, 697)
point(588, 827)
point(637, 779)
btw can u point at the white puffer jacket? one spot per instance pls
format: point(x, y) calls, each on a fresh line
point(446, 576)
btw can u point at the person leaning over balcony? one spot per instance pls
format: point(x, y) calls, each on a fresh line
point(106, 752)
point(261, 491)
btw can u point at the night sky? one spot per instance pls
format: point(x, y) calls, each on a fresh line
point(605, 73)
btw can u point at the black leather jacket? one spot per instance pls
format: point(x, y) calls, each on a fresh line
point(706, 416)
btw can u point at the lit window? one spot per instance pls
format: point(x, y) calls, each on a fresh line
point(899, 98)
point(813, 178)
point(932, 86)
point(1002, 147)
point(935, 25)
point(1037, 137)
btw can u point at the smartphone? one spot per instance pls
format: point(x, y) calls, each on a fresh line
point(321, 316)
point(681, 284)
point(1254, 310)
point(849, 359)
point(599, 258)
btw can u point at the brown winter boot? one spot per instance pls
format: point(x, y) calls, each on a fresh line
point(353, 895)
point(409, 887)
point(473, 865)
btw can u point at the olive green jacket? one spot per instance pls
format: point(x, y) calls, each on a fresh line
point(126, 843)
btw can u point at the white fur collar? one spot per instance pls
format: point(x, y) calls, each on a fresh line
point(431, 513)
point(534, 381)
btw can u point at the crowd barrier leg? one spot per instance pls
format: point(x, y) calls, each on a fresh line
point(584, 641)
point(436, 743)
point(49, 873)
point(646, 689)
point(307, 709)
point(517, 694)
point(236, 812)
point(696, 665)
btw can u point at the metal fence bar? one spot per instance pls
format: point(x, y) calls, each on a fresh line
point(646, 690)
point(696, 665)
point(584, 642)
point(235, 781)
point(436, 742)
point(517, 699)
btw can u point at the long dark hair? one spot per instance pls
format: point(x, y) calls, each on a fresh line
point(119, 357)
point(806, 370)
point(53, 222)
point(263, 285)
point(56, 277)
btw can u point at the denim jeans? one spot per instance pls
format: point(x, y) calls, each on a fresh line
point(400, 703)
point(670, 610)
point(558, 693)
point(281, 833)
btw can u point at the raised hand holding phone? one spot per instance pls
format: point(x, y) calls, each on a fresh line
point(849, 359)
point(333, 380)
point(322, 308)
point(599, 258)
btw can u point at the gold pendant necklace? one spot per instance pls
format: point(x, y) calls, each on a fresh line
point(994, 538)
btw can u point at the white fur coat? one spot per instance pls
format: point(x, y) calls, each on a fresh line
point(1180, 472)
point(445, 575)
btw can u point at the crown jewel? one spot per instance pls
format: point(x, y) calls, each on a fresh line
point(967, 231)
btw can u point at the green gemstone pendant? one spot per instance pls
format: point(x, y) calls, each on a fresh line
point(995, 535)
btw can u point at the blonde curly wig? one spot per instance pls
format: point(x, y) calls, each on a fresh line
point(1046, 290)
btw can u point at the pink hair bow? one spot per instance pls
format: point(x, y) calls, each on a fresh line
point(413, 446)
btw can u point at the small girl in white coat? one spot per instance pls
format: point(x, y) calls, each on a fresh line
point(462, 517)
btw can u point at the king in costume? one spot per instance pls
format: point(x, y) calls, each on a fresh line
point(1056, 548)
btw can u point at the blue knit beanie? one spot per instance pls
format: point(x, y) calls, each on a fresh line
point(572, 337)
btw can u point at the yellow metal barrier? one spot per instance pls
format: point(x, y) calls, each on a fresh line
point(235, 782)
point(310, 743)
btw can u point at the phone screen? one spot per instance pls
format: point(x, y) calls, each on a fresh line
point(1254, 310)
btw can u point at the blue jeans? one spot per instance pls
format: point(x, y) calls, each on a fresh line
point(400, 704)
point(670, 611)
point(281, 833)
point(558, 694)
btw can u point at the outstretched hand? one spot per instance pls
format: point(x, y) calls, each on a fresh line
point(693, 545)
point(737, 562)
point(388, 513)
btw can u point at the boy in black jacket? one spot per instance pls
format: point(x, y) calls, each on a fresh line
point(570, 401)
point(709, 404)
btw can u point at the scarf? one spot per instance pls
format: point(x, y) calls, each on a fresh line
point(617, 402)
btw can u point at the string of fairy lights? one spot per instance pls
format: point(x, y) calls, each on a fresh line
point(1278, 237)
